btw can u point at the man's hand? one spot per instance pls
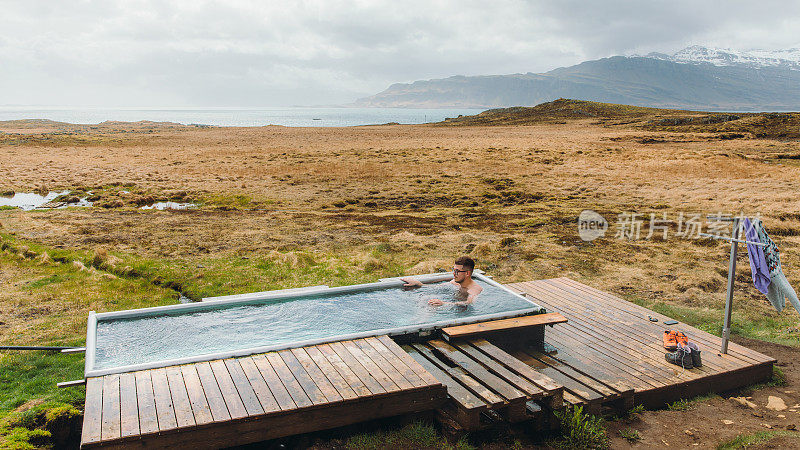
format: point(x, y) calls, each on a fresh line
point(435, 302)
point(411, 282)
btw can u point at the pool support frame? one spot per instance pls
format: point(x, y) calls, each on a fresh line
point(245, 299)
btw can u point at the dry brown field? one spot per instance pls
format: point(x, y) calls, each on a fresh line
point(355, 204)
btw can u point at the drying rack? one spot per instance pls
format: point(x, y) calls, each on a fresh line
point(734, 240)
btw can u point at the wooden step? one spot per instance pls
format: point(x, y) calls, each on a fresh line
point(514, 323)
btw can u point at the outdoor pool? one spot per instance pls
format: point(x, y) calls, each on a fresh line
point(238, 325)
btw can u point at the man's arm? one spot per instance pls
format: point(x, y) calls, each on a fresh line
point(411, 282)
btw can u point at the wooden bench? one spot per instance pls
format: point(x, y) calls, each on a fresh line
point(517, 325)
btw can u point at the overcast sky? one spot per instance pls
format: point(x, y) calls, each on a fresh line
point(261, 53)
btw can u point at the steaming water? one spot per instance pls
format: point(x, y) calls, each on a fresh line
point(237, 117)
point(133, 341)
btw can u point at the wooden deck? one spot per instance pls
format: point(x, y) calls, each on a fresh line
point(604, 353)
point(235, 401)
point(610, 343)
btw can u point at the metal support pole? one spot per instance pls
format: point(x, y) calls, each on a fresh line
point(726, 328)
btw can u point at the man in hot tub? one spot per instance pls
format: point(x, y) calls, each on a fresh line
point(467, 289)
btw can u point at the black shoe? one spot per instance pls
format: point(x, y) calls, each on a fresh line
point(680, 357)
point(696, 360)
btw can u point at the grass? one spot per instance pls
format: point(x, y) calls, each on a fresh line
point(748, 440)
point(27, 375)
point(580, 430)
point(630, 435)
point(686, 404)
point(412, 436)
point(746, 323)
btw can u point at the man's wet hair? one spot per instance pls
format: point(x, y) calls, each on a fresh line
point(467, 262)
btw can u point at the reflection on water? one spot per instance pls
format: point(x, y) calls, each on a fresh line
point(170, 205)
point(31, 200)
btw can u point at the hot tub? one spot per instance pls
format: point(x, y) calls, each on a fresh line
point(124, 341)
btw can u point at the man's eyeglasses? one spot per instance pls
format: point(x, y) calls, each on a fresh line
point(456, 271)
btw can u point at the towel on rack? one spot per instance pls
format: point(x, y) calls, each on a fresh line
point(758, 263)
point(779, 289)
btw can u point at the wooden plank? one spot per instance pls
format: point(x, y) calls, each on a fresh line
point(711, 340)
point(353, 380)
point(313, 391)
point(463, 377)
point(163, 399)
point(197, 397)
point(575, 387)
point(598, 371)
point(111, 408)
point(475, 369)
point(148, 420)
point(93, 411)
point(260, 387)
point(627, 341)
point(317, 375)
point(586, 345)
point(372, 368)
point(641, 351)
point(516, 365)
point(129, 405)
point(456, 391)
point(282, 396)
point(287, 378)
point(385, 365)
point(267, 427)
point(246, 392)
point(600, 387)
point(498, 369)
point(615, 305)
point(336, 379)
point(363, 374)
point(577, 354)
point(462, 331)
point(228, 389)
point(216, 402)
point(180, 398)
point(398, 363)
point(410, 362)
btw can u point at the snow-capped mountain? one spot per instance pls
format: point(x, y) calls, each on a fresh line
point(693, 78)
point(755, 59)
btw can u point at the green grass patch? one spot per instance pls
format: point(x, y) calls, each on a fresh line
point(748, 440)
point(26, 375)
point(412, 436)
point(630, 435)
point(680, 405)
point(21, 438)
point(580, 430)
point(684, 404)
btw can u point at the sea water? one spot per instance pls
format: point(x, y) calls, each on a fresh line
point(122, 342)
point(238, 117)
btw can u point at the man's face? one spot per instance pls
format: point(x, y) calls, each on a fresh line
point(460, 273)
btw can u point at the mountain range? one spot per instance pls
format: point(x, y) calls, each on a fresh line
point(696, 77)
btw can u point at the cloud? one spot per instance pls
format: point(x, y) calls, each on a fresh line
point(250, 53)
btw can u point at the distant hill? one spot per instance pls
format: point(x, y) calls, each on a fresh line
point(727, 125)
point(690, 79)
